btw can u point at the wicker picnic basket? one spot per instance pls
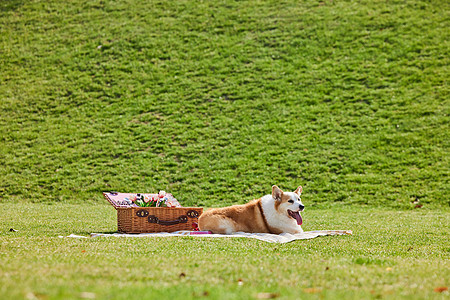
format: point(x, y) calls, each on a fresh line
point(134, 219)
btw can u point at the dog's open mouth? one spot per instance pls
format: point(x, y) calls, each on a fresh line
point(296, 215)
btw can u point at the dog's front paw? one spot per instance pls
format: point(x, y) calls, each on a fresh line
point(300, 230)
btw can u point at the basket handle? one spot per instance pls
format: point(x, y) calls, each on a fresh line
point(179, 220)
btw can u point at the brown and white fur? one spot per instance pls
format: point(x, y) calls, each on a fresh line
point(275, 213)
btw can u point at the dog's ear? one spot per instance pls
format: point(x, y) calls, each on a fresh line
point(299, 191)
point(276, 193)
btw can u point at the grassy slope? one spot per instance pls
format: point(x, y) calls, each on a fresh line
point(391, 255)
point(219, 100)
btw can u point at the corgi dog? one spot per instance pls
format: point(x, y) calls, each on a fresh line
point(276, 213)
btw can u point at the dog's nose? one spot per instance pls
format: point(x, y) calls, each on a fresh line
point(301, 207)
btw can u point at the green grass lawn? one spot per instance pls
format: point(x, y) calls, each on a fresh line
point(391, 254)
point(223, 99)
point(215, 102)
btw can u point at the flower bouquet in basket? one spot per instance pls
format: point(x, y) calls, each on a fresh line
point(162, 199)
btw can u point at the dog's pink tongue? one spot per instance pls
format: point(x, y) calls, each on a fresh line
point(298, 217)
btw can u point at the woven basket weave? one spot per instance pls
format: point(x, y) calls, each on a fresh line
point(154, 219)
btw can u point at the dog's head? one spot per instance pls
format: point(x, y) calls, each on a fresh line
point(289, 203)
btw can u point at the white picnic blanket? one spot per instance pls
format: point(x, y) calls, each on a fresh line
point(266, 237)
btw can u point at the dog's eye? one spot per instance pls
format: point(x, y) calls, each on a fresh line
point(291, 201)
